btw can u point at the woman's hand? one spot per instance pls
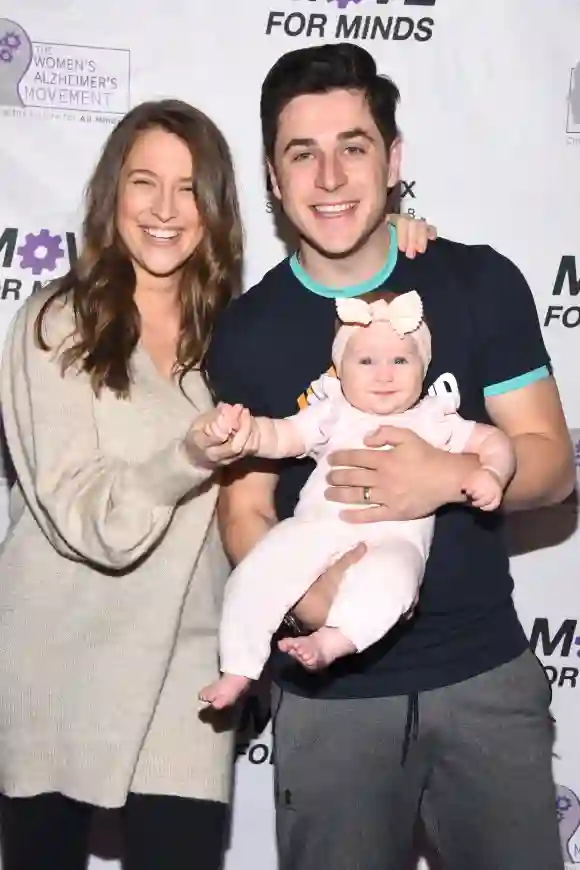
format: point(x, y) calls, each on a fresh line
point(413, 235)
point(220, 436)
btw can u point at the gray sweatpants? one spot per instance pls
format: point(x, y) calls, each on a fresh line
point(479, 773)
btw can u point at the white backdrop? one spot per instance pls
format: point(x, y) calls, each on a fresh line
point(491, 117)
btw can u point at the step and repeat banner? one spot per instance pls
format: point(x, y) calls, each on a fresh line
point(491, 118)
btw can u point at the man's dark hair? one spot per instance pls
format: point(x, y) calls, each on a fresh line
point(324, 68)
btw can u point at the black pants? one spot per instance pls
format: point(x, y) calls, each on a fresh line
point(160, 832)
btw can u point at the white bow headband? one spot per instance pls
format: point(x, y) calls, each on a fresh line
point(404, 314)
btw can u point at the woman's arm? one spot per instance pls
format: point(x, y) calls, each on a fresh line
point(90, 506)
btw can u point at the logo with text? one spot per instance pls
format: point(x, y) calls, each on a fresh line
point(355, 20)
point(568, 812)
point(29, 259)
point(253, 738)
point(566, 286)
point(446, 385)
point(558, 648)
point(573, 107)
point(66, 82)
point(575, 438)
point(408, 199)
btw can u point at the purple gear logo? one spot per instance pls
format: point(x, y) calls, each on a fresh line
point(9, 44)
point(342, 4)
point(563, 804)
point(40, 252)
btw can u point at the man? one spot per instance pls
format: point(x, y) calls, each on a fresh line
point(448, 715)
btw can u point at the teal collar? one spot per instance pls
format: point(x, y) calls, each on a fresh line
point(377, 280)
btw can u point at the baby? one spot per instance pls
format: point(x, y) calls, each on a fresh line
point(380, 353)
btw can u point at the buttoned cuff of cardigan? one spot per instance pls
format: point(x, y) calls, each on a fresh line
point(171, 475)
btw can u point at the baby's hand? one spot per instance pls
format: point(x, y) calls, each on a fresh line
point(220, 436)
point(483, 489)
point(221, 424)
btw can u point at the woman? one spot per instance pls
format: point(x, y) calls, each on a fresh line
point(112, 571)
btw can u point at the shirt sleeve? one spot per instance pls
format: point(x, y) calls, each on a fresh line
point(460, 431)
point(511, 349)
point(314, 424)
point(446, 429)
point(91, 507)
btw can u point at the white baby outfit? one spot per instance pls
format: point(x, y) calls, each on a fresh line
point(375, 592)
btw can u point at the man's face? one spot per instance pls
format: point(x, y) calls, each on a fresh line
point(331, 170)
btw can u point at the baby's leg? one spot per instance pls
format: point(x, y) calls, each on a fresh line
point(371, 599)
point(378, 591)
point(264, 586)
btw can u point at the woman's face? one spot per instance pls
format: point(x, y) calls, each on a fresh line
point(157, 216)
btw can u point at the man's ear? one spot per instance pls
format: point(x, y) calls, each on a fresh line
point(395, 156)
point(273, 180)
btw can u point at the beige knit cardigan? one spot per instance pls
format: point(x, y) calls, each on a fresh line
point(111, 581)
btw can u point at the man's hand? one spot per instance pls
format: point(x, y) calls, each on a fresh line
point(409, 481)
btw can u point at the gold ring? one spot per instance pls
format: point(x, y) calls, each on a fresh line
point(366, 493)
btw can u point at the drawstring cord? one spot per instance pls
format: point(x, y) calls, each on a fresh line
point(411, 725)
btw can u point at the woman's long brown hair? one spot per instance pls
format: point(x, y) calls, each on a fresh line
point(100, 285)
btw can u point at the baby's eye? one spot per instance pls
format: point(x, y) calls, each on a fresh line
point(400, 360)
point(365, 361)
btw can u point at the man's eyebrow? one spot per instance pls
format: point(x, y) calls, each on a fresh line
point(354, 133)
point(299, 143)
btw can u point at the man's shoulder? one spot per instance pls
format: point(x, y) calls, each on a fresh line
point(449, 250)
point(472, 260)
point(249, 319)
point(264, 297)
point(449, 271)
point(280, 273)
point(254, 309)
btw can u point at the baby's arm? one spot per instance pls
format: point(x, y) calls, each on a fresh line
point(275, 439)
point(296, 436)
point(496, 453)
point(229, 432)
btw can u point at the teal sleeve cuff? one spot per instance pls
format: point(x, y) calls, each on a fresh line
point(517, 383)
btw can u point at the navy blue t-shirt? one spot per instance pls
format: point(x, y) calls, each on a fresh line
point(276, 339)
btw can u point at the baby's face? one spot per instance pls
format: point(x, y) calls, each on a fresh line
point(380, 372)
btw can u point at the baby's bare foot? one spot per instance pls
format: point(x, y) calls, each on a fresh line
point(225, 691)
point(318, 650)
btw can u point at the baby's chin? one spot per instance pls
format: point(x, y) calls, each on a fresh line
point(395, 403)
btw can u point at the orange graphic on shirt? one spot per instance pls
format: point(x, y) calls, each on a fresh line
point(302, 400)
